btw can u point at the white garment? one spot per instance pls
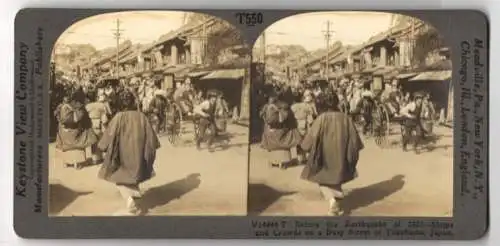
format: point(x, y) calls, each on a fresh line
point(408, 110)
point(202, 107)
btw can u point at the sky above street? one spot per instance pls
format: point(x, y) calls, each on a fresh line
point(138, 26)
point(308, 29)
point(304, 29)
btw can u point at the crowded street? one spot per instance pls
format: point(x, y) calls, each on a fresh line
point(349, 128)
point(394, 183)
point(186, 182)
point(149, 128)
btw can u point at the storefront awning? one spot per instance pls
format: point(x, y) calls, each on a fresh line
point(433, 76)
point(226, 74)
point(178, 70)
point(371, 69)
point(315, 77)
point(385, 73)
point(406, 75)
point(198, 74)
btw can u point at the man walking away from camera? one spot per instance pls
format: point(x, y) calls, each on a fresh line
point(333, 144)
point(130, 144)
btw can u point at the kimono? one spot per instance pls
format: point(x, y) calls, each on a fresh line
point(304, 114)
point(427, 117)
point(98, 113)
point(75, 132)
point(130, 144)
point(280, 129)
point(221, 114)
point(158, 107)
point(333, 144)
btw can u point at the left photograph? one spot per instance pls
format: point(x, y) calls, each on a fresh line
point(149, 115)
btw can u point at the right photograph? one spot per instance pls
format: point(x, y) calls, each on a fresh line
point(352, 115)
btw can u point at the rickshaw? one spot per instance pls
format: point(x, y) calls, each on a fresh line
point(173, 119)
point(177, 114)
point(382, 115)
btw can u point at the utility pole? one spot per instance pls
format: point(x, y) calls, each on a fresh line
point(204, 42)
point(328, 36)
point(117, 33)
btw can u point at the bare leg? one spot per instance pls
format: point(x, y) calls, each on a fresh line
point(130, 193)
point(333, 193)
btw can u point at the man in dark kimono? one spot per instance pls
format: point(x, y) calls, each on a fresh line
point(333, 144)
point(130, 144)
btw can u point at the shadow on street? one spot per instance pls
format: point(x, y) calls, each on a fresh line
point(61, 196)
point(365, 196)
point(261, 196)
point(161, 195)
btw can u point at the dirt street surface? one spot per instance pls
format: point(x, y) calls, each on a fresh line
point(390, 183)
point(187, 182)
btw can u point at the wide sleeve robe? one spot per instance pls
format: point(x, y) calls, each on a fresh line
point(280, 129)
point(75, 128)
point(130, 144)
point(333, 144)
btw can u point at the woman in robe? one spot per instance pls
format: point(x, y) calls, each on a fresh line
point(280, 132)
point(333, 144)
point(130, 144)
point(75, 132)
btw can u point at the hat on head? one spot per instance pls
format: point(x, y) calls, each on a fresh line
point(418, 94)
point(212, 93)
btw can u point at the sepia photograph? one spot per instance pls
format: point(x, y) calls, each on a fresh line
point(149, 115)
point(352, 115)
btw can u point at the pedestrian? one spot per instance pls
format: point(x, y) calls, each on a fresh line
point(75, 132)
point(99, 112)
point(365, 108)
point(333, 144)
point(280, 132)
point(130, 144)
point(158, 107)
point(411, 124)
point(304, 113)
point(428, 116)
point(221, 113)
point(205, 115)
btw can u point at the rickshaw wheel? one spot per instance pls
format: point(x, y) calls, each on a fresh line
point(175, 132)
